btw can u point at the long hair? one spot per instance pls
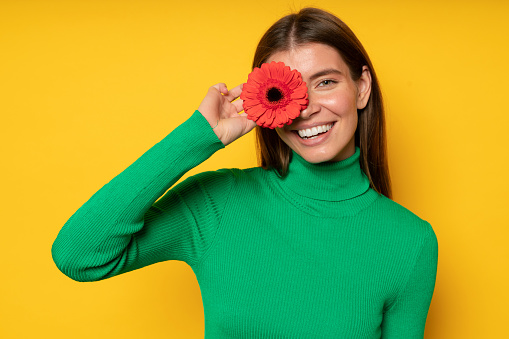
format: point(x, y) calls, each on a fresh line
point(313, 25)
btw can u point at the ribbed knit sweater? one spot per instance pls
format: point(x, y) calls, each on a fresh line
point(316, 254)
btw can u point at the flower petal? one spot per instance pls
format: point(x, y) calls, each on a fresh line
point(299, 93)
point(250, 87)
point(257, 111)
point(280, 119)
point(293, 110)
point(277, 113)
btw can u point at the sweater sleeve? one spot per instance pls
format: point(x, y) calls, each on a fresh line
point(406, 317)
point(122, 227)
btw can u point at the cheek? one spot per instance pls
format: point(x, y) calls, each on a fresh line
point(341, 104)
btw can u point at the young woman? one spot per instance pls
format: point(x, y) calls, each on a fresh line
point(309, 244)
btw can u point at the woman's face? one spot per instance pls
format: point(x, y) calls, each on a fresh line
point(325, 130)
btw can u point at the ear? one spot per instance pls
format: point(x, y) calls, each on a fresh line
point(363, 88)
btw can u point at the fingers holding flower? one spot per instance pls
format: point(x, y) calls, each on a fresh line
point(221, 110)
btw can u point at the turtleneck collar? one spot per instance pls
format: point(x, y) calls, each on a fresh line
point(328, 181)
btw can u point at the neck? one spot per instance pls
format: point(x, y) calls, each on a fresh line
point(329, 181)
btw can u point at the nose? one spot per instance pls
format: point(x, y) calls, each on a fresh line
point(312, 108)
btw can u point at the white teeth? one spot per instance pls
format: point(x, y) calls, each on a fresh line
point(314, 131)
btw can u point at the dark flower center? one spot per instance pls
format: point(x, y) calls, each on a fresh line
point(274, 94)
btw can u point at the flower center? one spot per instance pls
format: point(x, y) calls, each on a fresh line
point(274, 95)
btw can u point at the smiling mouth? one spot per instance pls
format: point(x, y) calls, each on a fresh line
point(312, 133)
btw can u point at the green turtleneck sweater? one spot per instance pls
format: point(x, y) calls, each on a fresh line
point(317, 254)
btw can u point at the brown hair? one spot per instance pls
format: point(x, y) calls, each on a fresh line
point(318, 26)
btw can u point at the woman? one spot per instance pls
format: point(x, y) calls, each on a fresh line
point(308, 245)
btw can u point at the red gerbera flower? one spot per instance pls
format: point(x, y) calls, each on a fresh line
point(274, 95)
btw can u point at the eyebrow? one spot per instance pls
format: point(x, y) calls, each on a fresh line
point(325, 72)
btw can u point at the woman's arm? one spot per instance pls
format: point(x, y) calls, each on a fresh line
point(122, 227)
point(406, 317)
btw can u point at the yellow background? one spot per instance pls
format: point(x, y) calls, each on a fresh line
point(86, 87)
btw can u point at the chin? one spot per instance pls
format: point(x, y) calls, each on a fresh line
point(318, 156)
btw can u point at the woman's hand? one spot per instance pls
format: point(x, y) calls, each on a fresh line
point(222, 113)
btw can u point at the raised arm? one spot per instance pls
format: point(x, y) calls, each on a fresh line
point(122, 227)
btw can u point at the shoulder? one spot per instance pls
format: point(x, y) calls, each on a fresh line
point(391, 210)
point(213, 187)
point(248, 174)
point(218, 187)
point(400, 220)
point(225, 178)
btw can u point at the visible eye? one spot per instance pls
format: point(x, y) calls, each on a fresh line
point(326, 83)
